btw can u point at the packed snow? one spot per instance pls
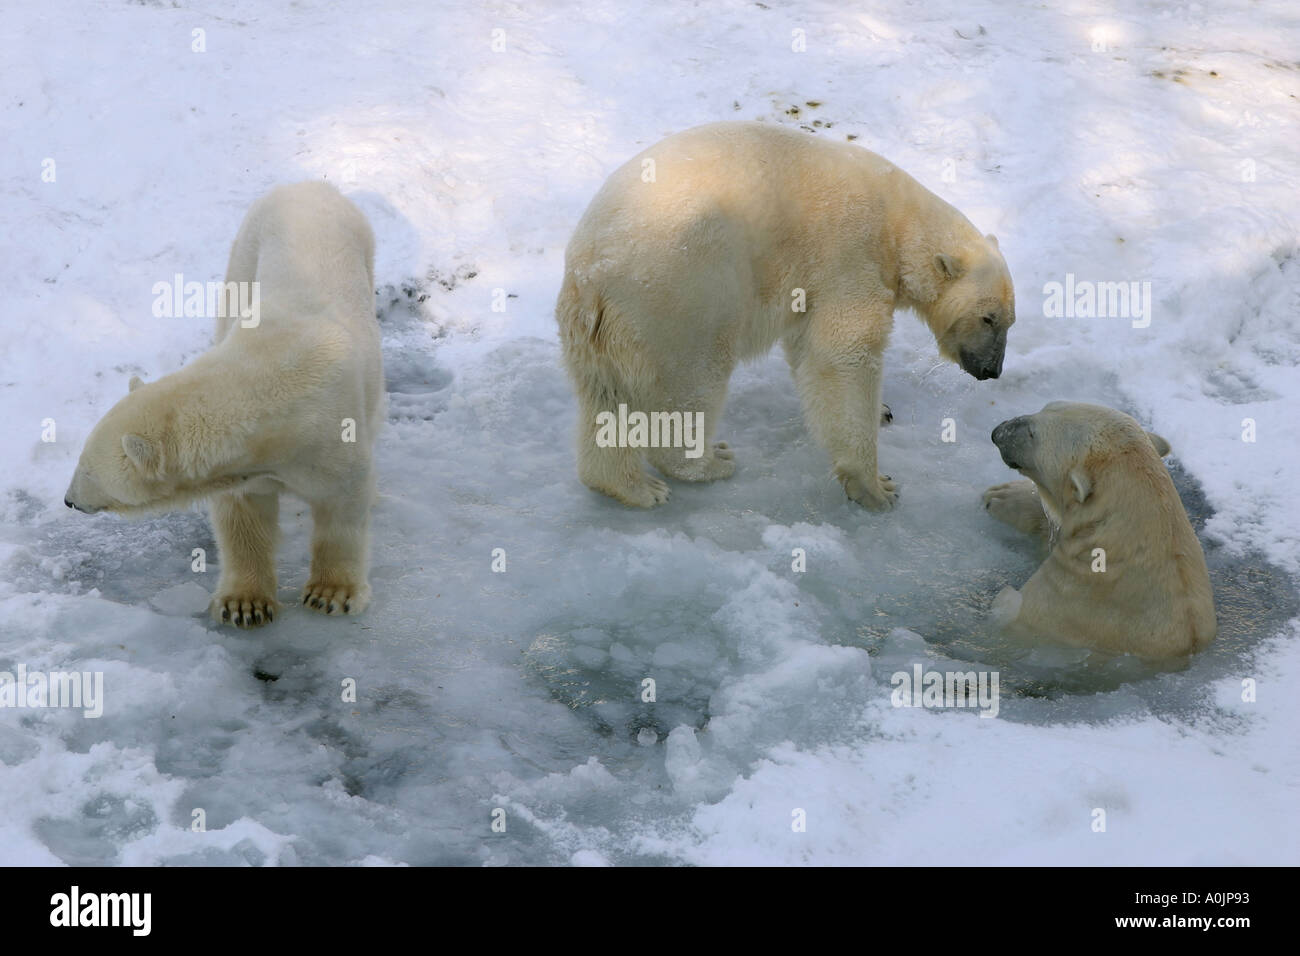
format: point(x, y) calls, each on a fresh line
point(499, 715)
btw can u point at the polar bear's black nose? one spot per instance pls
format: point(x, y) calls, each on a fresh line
point(1009, 431)
point(980, 366)
point(990, 367)
point(68, 503)
point(1010, 438)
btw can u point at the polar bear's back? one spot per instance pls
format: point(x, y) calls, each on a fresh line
point(714, 225)
point(312, 253)
point(736, 207)
point(758, 177)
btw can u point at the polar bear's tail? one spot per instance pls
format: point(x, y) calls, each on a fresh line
point(601, 360)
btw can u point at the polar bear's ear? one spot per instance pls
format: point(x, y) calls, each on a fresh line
point(993, 239)
point(136, 382)
point(1081, 483)
point(949, 267)
point(1162, 446)
point(143, 453)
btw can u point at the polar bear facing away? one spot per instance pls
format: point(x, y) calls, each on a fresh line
point(710, 246)
point(287, 400)
point(1125, 573)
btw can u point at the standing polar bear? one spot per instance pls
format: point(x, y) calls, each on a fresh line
point(710, 246)
point(287, 399)
point(1125, 573)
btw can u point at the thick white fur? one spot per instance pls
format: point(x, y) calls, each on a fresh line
point(262, 411)
point(670, 283)
point(1097, 481)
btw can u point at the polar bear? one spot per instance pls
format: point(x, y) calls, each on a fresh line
point(1125, 573)
point(287, 399)
point(710, 246)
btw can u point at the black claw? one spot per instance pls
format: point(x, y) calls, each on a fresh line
point(270, 615)
point(347, 607)
point(225, 614)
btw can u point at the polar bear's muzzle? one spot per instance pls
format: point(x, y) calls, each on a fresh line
point(84, 509)
point(78, 495)
point(985, 362)
point(1014, 439)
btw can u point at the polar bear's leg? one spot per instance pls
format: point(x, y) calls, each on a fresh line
point(247, 528)
point(612, 469)
point(339, 546)
point(840, 384)
point(705, 396)
point(608, 367)
point(1017, 503)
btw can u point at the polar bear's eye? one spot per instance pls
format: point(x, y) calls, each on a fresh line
point(990, 319)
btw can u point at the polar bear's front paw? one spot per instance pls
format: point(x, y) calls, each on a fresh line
point(878, 495)
point(334, 595)
point(243, 609)
point(1017, 503)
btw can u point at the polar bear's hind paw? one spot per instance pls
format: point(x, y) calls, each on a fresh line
point(880, 495)
point(646, 493)
point(723, 463)
point(639, 491)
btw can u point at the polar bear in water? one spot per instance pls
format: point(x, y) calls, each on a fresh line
point(1125, 573)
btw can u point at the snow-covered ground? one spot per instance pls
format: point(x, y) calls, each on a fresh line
point(1116, 142)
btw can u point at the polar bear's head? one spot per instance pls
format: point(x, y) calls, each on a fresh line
point(974, 306)
point(124, 465)
point(1068, 448)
